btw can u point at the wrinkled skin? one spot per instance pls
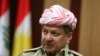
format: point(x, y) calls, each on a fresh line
point(54, 38)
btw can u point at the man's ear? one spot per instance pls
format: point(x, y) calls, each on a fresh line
point(69, 37)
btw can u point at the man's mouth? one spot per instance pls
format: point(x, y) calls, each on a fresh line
point(48, 45)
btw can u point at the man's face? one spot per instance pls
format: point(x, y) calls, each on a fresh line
point(53, 38)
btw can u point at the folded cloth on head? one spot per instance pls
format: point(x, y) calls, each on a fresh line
point(57, 15)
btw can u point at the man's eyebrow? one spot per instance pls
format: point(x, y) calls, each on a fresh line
point(43, 28)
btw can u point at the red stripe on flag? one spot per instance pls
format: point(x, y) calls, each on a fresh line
point(23, 10)
point(3, 6)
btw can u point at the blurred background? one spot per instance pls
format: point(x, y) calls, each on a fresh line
point(20, 30)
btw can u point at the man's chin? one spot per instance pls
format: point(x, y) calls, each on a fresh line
point(49, 51)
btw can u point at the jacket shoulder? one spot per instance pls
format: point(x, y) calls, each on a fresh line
point(75, 53)
point(30, 52)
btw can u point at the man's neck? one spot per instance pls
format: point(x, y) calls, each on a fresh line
point(50, 54)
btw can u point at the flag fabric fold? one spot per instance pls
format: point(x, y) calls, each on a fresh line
point(4, 28)
point(22, 37)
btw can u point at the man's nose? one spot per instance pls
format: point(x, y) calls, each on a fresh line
point(48, 37)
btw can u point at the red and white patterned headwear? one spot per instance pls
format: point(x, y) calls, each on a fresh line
point(57, 15)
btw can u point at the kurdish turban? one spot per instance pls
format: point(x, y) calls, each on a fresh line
point(58, 16)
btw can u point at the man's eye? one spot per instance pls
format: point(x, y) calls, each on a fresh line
point(44, 31)
point(55, 34)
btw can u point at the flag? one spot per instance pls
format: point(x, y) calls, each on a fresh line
point(4, 28)
point(22, 37)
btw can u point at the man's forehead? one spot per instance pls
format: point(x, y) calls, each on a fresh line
point(51, 27)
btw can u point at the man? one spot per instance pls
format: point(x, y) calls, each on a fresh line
point(58, 24)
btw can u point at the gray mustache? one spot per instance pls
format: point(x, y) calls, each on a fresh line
point(48, 43)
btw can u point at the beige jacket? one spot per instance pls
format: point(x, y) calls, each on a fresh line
point(39, 52)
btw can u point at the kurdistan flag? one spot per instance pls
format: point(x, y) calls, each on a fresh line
point(22, 37)
point(4, 25)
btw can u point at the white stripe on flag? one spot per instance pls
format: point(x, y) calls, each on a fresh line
point(4, 25)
